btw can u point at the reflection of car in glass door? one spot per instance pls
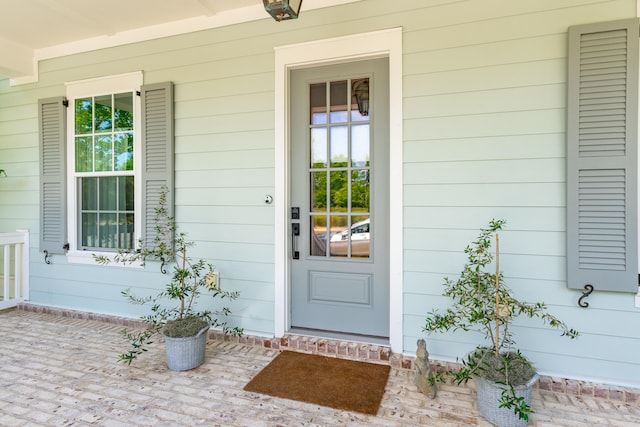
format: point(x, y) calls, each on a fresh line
point(359, 238)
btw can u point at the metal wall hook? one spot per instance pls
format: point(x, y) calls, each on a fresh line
point(47, 257)
point(588, 289)
point(162, 269)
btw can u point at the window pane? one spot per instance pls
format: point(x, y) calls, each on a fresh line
point(108, 230)
point(360, 191)
point(84, 154)
point(319, 148)
point(126, 232)
point(339, 191)
point(338, 94)
point(108, 220)
point(108, 194)
point(318, 191)
point(123, 151)
point(103, 113)
point(123, 114)
point(104, 153)
point(360, 145)
point(89, 194)
point(125, 193)
point(318, 98)
point(318, 235)
point(89, 229)
point(339, 147)
point(84, 116)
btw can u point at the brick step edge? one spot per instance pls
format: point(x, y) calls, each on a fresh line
point(356, 351)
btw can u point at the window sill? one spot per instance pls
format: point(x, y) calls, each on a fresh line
point(82, 257)
point(638, 299)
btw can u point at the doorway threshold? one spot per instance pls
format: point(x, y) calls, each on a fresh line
point(341, 336)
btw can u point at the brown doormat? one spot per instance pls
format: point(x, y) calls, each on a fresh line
point(328, 381)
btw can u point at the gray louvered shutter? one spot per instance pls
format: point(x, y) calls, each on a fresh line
point(602, 137)
point(52, 119)
point(157, 152)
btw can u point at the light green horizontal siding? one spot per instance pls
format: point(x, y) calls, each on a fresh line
point(489, 171)
point(484, 103)
point(484, 130)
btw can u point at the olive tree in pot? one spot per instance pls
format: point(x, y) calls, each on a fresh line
point(173, 311)
point(482, 303)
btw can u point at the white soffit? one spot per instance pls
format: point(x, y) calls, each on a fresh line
point(36, 30)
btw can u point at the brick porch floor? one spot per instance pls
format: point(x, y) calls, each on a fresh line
point(61, 371)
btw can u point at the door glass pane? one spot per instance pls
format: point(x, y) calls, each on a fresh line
point(360, 236)
point(103, 113)
point(319, 148)
point(340, 152)
point(338, 101)
point(360, 190)
point(318, 191)
point(318, 235)
point(339, 241)
point(339, 191)
point(339, 147)
point(360, 100)
point(360, 145)
point(318, 101)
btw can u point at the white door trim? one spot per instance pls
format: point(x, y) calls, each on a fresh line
point(385, 43)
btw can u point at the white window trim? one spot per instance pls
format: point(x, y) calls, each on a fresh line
point(95, 87)
point(637, 299)
point(377, 44)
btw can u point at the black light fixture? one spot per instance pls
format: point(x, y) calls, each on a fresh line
point(360, 89)
point(281, 10)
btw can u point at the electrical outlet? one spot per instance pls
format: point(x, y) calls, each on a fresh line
point(211, 280)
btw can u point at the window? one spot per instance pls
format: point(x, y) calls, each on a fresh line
point(103, 142)
point(103, 167)
point(106, 153)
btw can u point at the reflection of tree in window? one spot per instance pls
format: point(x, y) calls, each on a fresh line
point(103, 113)
point(339, 191)
point(360, 190)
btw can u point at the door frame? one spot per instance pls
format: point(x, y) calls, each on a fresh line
point(377, 44)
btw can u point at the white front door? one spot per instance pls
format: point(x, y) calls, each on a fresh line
point(339, 212)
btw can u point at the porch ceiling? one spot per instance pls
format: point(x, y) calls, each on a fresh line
point(40, 29)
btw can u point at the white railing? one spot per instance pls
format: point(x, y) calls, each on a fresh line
point(14, 268)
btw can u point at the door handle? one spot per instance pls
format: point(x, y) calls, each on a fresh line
point(295, 232)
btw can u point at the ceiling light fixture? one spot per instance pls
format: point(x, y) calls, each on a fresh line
point(281, 10)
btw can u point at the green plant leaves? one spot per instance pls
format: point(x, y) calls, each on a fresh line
point(482, 303)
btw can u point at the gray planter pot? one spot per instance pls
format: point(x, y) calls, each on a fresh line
point(489, 393)
point(186, 353)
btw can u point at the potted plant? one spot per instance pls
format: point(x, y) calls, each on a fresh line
point(2, 172)
point(174, 311)
point(482, 303)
